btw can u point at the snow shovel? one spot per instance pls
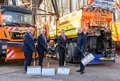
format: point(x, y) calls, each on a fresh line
point(48, 71)
point(87, 58)
point(63, 70)
point(34, 70)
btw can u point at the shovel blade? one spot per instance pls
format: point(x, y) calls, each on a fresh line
point(48, 71)
point(63, 71)
point(34, 70)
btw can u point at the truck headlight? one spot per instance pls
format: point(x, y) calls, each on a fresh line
point(4, 46)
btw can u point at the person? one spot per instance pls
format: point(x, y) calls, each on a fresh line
point(28, 47)
point(62, 40)
point(81, 42)
point(42, 45)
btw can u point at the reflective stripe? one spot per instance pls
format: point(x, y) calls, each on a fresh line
point(11, 28)
point(10, 53)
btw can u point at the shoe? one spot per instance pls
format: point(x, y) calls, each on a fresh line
point(82, 72)
point(61, 66)
point(78, 70)
point(40, 64)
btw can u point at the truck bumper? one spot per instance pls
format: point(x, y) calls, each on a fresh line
point(14, 52)
point(99, 59)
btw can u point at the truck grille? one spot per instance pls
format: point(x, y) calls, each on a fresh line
point(17, 35)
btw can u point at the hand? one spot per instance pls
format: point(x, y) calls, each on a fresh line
point(81, 50)
point(66, 49)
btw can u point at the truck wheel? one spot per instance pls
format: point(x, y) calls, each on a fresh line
point(57, 53)
point(69, 55)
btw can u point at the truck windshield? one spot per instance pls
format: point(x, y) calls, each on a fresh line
point(16, 17)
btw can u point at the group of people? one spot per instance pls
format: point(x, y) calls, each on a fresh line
point(29, 47)
point(80, 49)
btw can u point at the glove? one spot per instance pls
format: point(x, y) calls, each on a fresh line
point(81, 50)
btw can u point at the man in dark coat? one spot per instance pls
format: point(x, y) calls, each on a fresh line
point(42, 45)
point(62, 40)
point(81, 42)
point(28, 47)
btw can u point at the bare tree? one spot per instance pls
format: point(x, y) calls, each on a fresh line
point(14, 2)
point(2, 1)
point(5, 2)
point(78, 4)
point(70, 5)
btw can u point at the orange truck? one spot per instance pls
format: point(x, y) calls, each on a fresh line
point(13, 23)
point(115, 27)
point(96, 19)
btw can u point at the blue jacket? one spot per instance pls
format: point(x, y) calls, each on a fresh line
point(42, 45)
point(62, 42)
point(28, 43)
point(81, 41)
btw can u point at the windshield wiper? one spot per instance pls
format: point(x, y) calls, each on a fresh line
point(13, 24)
point(26, 24)
point(17, 24)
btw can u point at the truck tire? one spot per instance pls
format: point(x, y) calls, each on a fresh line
point(69, 55)
point(57, 53)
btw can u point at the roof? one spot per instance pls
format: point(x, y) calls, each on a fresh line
point(16, 9)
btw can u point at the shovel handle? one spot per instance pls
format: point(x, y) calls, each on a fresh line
point(64, 63)
point(48, 63)
point(34, 58)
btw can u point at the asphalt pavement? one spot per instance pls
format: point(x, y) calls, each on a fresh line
point(13, 71)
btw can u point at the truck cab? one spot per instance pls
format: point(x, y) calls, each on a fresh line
point(13, 23)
